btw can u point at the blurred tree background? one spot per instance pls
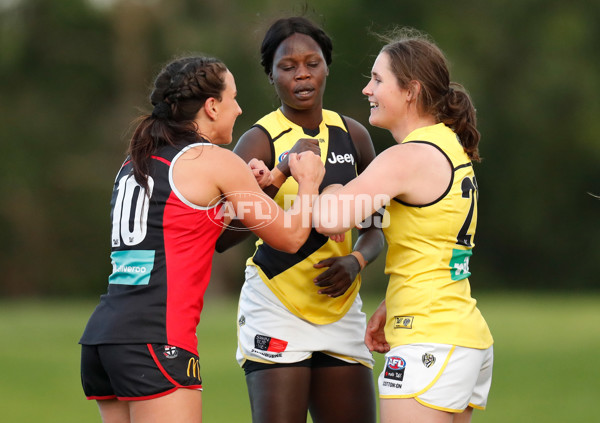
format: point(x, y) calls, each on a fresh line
point(75, 73)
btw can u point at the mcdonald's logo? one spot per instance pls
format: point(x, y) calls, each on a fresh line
point(193, 368)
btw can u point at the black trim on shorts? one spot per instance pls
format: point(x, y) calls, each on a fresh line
point(318, 359)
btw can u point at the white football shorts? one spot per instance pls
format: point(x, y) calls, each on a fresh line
point(440, 376)
point(269, 333)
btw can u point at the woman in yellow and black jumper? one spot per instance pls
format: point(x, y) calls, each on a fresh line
point(300, 324)
point(438, 347)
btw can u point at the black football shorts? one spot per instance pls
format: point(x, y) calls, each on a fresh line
point(137, 371)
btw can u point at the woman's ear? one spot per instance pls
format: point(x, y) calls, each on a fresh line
point(414, 89)
point(211, 108)
point(271, 78)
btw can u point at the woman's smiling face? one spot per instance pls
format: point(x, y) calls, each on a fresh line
point(386, 98)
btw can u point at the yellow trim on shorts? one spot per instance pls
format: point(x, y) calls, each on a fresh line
point(416, 394)
point(256, 359)
point(449, 410)
point(435, 407)
point(338, 356)
point(348, 359)
point(253, 358)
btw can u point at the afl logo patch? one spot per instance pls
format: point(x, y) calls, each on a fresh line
point(394, 368)
point(283, 155)
point(428, 360)
point(403, 322)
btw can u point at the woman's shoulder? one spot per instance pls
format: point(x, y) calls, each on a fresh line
point(355, 127)
point(362, 141)
point(206, 154)
point(255, 133)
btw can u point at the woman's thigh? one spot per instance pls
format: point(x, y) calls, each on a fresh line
point(279, 395)
point(181, 406)
point(409, 410)
point(342, 394)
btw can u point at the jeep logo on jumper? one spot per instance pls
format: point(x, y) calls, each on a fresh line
point(341, 158)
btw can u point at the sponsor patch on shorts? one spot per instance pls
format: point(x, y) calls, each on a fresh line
point(394, 368)
point(266, 343)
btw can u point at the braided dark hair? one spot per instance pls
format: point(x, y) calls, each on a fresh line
point(414, 57)
point(180, 90)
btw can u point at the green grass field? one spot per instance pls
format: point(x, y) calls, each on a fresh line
point(544, 369)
